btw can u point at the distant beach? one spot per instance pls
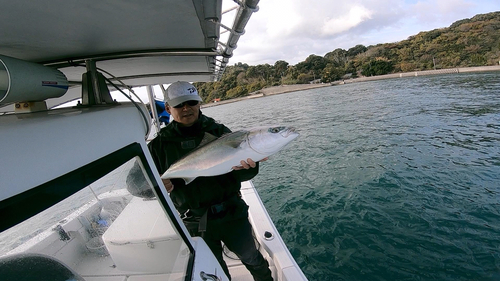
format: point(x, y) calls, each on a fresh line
point(300, 87)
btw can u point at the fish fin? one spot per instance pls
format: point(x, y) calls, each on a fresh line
point(233, 144)
point(237, 134)
point(188, 180)
point(234, 139)
point(207, 138)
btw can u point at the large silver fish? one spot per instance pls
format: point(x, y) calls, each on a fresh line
point(219, 156)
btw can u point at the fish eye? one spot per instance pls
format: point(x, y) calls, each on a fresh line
point(275, 130)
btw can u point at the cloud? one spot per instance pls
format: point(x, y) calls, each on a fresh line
point(437, 11)
point(291, 30)
point(313, 18)
point(282, 20)
point(356, 15)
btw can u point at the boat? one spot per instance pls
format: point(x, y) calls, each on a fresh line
point(65, 201)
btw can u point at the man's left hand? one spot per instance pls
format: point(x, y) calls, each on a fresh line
point(249, 163)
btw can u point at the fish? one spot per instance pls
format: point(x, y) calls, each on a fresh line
point(219, 156)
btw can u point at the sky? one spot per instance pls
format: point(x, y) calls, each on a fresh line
point(291, 30)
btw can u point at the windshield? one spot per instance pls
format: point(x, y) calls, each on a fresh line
point(103, 230)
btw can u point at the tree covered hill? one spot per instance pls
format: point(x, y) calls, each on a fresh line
point(467, 42)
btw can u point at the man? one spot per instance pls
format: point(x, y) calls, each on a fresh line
point(210, 207)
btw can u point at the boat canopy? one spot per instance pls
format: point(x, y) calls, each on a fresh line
point(138, 42)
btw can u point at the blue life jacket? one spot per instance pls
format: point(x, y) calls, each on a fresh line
point(163, 115)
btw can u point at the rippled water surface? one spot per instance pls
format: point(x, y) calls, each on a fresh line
point(390, 180)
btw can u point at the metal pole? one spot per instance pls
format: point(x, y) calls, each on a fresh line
point(92, 70)
point(152, 104)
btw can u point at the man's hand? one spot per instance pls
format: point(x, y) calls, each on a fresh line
point(168, 185)
point(249, 163)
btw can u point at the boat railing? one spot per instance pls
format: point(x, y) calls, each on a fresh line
point(245, 11)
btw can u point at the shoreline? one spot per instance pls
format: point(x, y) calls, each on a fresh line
point(282, 89)
point(275, 90)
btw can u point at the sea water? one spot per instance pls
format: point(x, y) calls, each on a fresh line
point(390, 180)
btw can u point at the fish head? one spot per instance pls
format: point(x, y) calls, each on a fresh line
point(269, 140)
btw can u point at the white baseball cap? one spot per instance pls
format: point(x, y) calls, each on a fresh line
point(180, 92)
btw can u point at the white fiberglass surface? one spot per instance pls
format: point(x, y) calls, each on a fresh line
point(103, 230)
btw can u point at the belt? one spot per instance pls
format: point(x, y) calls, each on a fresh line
point(219, 208)
point(216, 209)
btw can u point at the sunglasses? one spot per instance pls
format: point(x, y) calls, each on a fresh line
point(189, 102)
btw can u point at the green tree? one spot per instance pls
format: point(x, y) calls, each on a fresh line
point(337, 57)
point(304, 78)
point(377, 67)
point(280, 69)
point(354, 51)
point(331, 73)
point(236, 92)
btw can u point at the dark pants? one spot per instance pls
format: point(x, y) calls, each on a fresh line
point(238, 237)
